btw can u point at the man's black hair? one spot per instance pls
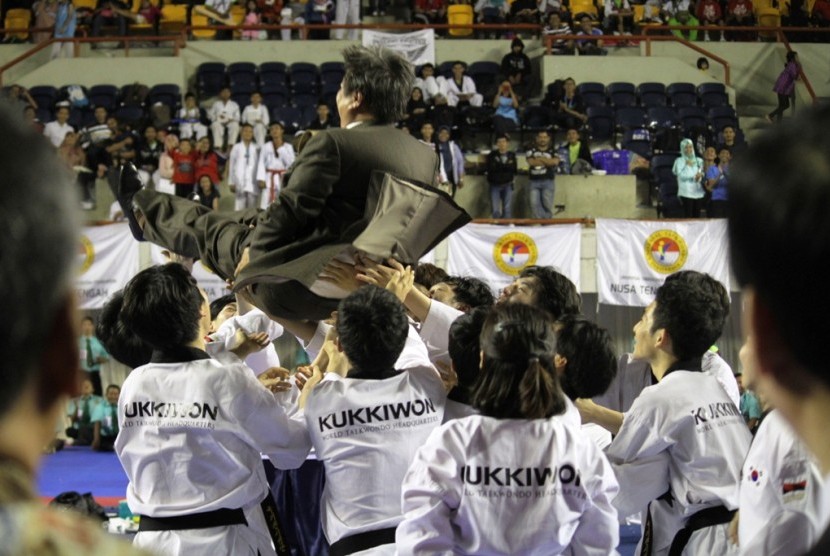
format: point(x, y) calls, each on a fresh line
point(706, 281)
point(779, 230)
point(591, 362)
point(220, 303)
point(470, 292)
point(692, 314)
point(121, 342)
point(372, 328)
point(162, 305)
point(384, 78)
point(427, 274)
point(465, 351)
point(554, 292)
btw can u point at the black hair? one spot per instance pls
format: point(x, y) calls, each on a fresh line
point(465, 351)
point(591, 361)
point(382, 76)
point(470, 292)
point(372, 328)
point(791, 55)
point(779, 199)
point(111, 386)
point(691, 311)
point(554, 292)
point(427, 274)
point(702, 60)
point(162, 305)
point(121, 342)
point(220, 303)
point(517, 379)
point(188, 95)
point(707, 282)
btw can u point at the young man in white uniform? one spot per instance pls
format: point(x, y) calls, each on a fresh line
point(681, 445)
point(366, 427)
point(257, 115)
point(779, 195)
point(192, 429)
point(275, 157)
point(242, 170)
point(224, 116)
point(460, 87)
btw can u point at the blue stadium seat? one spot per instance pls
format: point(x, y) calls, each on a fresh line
point(593, 94)
point(682, 94)
point(273, 73)
point(600, 122)
point(103, 95)
point(44, 95)
point(652, 94)
point(210, 78)
point(630, 118)
point(722, 116)
point(622, 94)
point(168, 94)
point(639, 141)
point(242, 72)
point(712, 95)
point(290, 117)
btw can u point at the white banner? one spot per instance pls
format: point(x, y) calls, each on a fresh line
point(107, 259)
point(418, 47)
point(497, 254)
point(213, 285)
point(634, 258)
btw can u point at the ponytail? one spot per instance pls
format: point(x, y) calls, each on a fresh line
point(540, 394)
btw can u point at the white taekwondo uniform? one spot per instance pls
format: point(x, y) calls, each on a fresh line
point(271, 163)
point(224, 115)
point(251, 322)
point(482, 485)
point(190, 434)
point(780, 492)
point(450, 89)
point(242, 168)
point(366, 432)
point(683, 440)
point(258, 117)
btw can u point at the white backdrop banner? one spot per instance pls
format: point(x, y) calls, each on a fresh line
point(418, 47)
point(107, 259)
point(497, 254)
point(634, 258)
point(213, 285)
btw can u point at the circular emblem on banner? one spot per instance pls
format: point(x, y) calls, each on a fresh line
point(666, 251)
point(514, 251)
point(86, 255)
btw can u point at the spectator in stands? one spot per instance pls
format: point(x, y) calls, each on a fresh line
point(256, 114)
point(689, 171)
point(224, 115)
point(506, 116)
point(191, 119)
point(717, 181)
point(569, 110)
point(524, 11)
point(321, 12)
point(785, 86)
point(740, 13)
point(94, 139)
point(65, 22)
point(547, 7)
point(147, 14)
point(242, 170)
point(501, 170)
point(542, 164)
point(703, 64)
point(427, 82)
point(57, 129)
point(460, 89)
point(19, 97)
point(167, 166)
point(516, 68)
point(105, 421)
point(252, 17)
point(106, 14)
point(45, 12)
point(207, 192)
point(555, 27)
point(206, 162)
point(430, 12)
point(30, 116)
point(729, 140)
point(184, 171)
point(74, 157)
point(323, 119)
point(684, 18)
point(270, 14)
point(617, 17)
point(451, 161)
point(427, 134)
point(120, 147)
point(491, 12)
point(709, 12)
point(750, 406)
point(575, 154)
point(586, 47)
point(92, 354)
point(820, 16)
point(275, 157)
point(79, 412)
point(441, 113)
point(670, 8)
point(346, 12)
point(416, 109)
point(148, 154)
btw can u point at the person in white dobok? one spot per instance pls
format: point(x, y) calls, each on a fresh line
point(460, 87)
point(256, 114)
point(517, 478)
point(242, 170)
point(224, 116)
point(275, 157)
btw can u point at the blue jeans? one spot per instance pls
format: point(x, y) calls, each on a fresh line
point(541, 197)
point(501, 197)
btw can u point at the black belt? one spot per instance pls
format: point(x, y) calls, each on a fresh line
point(362, 541)
point(203, 520)
point(700, 520)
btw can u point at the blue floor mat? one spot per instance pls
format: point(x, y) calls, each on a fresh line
point(79, 468)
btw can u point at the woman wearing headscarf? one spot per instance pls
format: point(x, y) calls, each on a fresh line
point(689, 171)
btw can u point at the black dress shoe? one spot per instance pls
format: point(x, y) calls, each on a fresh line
point(124, 189)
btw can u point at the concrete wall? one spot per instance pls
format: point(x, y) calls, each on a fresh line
point(116, 71)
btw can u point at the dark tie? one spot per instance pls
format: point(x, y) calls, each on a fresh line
point(114, 414)
point(90, 360)
point(85, 410)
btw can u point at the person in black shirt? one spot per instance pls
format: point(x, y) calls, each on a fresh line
point(501, 169)
point(148, 153)
point(516, 67)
